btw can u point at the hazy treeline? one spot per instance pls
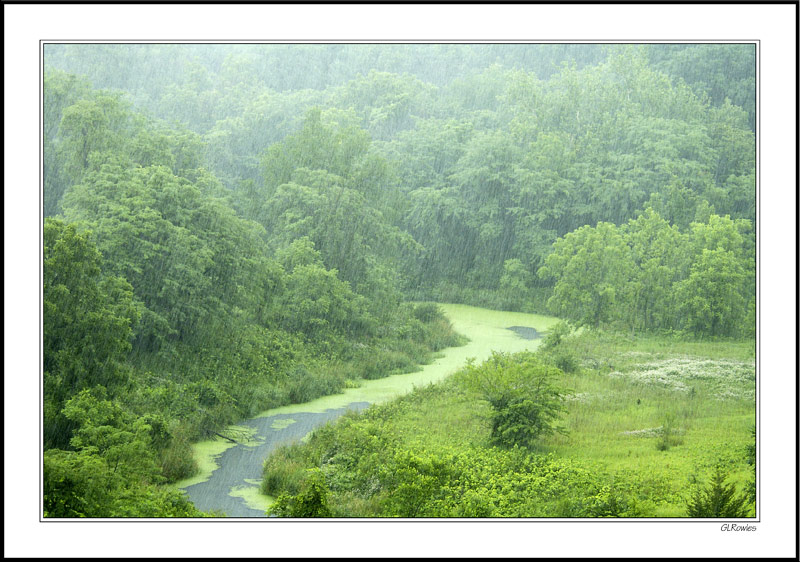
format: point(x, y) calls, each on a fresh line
point(508, 148)
point(234, 227)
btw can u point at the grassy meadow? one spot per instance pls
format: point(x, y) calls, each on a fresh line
point(646, 422)
point(662, 412)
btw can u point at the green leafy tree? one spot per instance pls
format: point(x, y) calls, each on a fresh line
point(443, 224)
point(593, 269)
point(105, 428)
point(299, 253)
point(319, 145)
point(191, 260)
point(723, 73)
point(710, 297)
point(523, 392)
point(91, 125)
point(658, 250)
point(515, 282)
point(555, 336)
point(112, 471)
point(323, 182)
point(76, 484)
point(81, 484)
point(427, 154)
point(311, 501)
point(139, 217)
point(718, 233)
point(348, 231)
point(387, 102)
point(317, 301)
point(60, 90)
point(679, 205)
point(546, 194)
point(485, 181)
point(88, 320)
point(416, 481)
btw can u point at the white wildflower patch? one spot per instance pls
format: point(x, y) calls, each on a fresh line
point(646, 432)
point(652, 432)
point(587, 397)
point(727, 379)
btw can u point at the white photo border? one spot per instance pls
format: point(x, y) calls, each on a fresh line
point(771, 25)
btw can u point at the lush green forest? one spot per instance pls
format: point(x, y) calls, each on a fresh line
point(232, 228)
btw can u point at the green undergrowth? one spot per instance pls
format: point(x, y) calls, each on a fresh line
point(647, 423)
point(199, 398)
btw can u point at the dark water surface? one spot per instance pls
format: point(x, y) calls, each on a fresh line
point(525, 332)
point(242, 462)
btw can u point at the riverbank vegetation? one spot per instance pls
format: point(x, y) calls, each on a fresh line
point(121, 398)
point(651, 427)
point(223, 235)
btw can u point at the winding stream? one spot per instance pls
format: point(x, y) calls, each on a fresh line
point(230, 473)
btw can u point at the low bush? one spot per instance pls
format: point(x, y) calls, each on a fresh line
point(176, 459)
point(310, 501)
point(283, 471)
point(555, 335)
point(427, 312)
point(378, 363)
point(305, 385)
point(565, 360)
point(522, 391)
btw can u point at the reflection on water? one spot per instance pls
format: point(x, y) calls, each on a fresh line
point(526, 332)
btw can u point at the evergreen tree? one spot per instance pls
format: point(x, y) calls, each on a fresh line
point(717, 499)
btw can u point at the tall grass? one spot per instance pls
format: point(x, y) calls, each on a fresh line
point(649, 418)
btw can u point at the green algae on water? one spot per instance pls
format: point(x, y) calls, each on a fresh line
point(282, 423)
point(252, 495)
point(487, 330)
point(246, 435)
point(242, 434)
point(206, 454)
